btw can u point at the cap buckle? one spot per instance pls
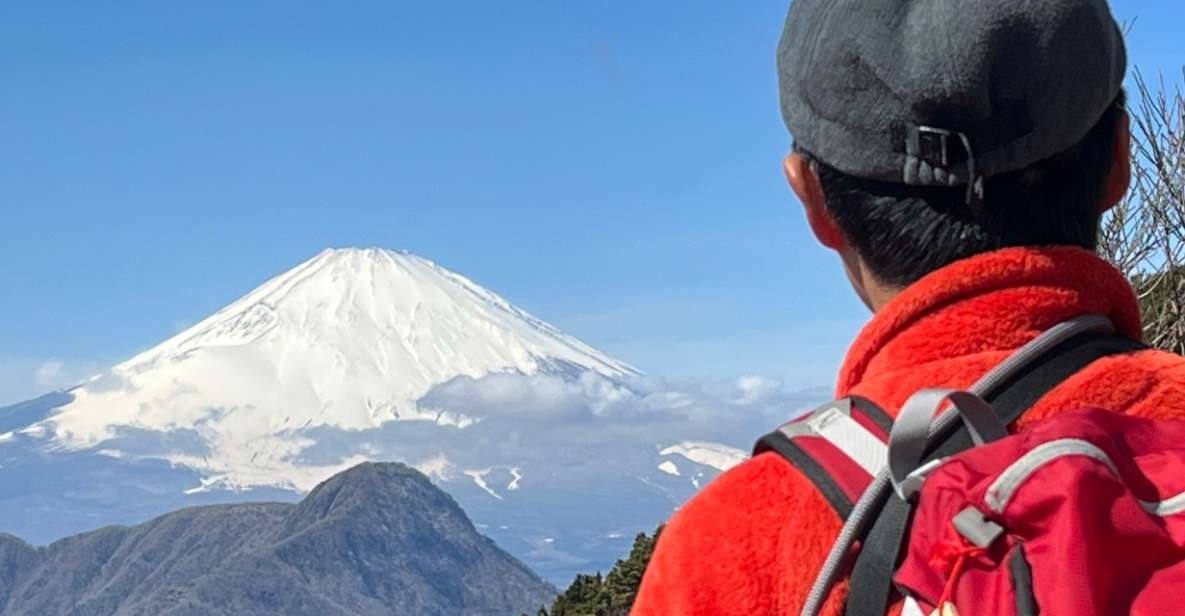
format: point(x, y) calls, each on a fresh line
point(932, 144)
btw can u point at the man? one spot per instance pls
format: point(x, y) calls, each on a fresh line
point(958, 157)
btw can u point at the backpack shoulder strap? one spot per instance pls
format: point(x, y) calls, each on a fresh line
point(840, 447)
point(872, 574)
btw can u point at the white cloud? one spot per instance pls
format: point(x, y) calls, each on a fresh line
point(540, 427)
point(24, 378)
point(754, 389)
point(49, 374)
point(539, 397)
point(608, 420)
point(437, 468)
point(59, 374)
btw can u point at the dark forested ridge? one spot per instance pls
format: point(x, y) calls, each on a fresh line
point(608, 595)
point(376, 539)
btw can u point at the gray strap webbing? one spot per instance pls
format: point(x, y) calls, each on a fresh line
point(910, 437)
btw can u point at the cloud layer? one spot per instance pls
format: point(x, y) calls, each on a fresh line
point(539, 422)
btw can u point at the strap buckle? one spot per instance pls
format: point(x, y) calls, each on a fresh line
point(933, 145)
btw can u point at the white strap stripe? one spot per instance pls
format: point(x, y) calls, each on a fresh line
point(911, 608)
point(853, 439)
point(1169, 506)
point(1000, 493)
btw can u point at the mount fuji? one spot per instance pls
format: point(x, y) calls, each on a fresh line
point(556, 450)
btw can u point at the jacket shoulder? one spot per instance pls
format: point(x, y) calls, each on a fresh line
point(1161, 379)
point(1148, 383)
point(749, 543)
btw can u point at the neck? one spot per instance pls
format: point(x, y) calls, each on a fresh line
point(874, 293)
point(877, 296)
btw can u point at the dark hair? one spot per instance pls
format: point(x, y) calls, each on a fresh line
point(905, 232)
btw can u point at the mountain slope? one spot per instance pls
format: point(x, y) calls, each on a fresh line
point(351, 339)
point(377, 539)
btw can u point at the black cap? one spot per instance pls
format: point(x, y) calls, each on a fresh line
point(946, 92)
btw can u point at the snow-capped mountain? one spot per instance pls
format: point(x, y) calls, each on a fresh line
point(351, 339)
point(558, 451)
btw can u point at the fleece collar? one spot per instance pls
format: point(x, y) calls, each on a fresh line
point(992, 302)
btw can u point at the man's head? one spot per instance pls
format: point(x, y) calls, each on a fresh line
point(927, 131)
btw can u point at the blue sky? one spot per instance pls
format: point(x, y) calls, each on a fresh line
point(610, 166)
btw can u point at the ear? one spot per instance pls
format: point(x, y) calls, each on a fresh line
point(1119, 176)
point(805, 184)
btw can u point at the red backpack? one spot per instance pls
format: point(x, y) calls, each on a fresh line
point(1076, 515)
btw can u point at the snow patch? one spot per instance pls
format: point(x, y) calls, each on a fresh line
point(669, 468)
point(437, 416)
point(479, 478)
point(715, 455)
point(207, 484)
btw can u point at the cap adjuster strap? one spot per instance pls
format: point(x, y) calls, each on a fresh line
point(928, 160)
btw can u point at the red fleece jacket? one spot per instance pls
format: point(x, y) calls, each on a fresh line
point(751, 543)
